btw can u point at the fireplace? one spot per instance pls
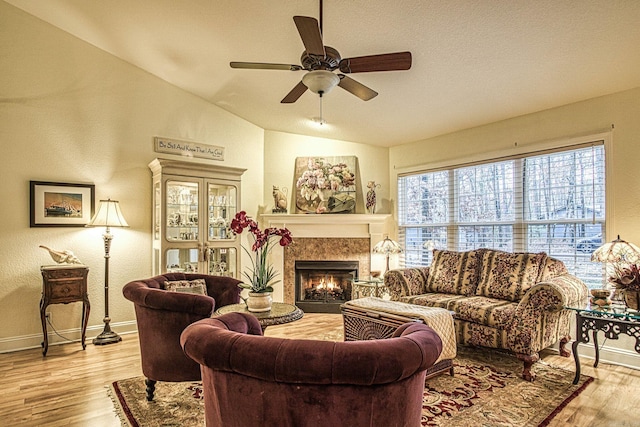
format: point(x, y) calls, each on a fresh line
point(322, 286)
point(335, 237)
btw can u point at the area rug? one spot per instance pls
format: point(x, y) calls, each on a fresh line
point(486, 390)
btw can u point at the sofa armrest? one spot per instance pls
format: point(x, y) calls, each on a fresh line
point(556, 293)
point(158, 299)
point(406, 282)
point(541, 318)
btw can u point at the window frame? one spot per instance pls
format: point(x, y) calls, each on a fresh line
point(603, 139)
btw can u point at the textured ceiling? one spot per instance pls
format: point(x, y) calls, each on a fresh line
point(474, 62)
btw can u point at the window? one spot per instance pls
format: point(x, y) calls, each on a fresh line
point(552, 202)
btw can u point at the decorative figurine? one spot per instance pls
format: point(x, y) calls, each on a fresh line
point(62, 257)
point(600, 298)
point(371, 196)
point(279, 200)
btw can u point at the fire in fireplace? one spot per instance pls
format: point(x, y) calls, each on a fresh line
point(321, 286)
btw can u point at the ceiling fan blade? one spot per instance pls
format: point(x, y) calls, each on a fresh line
point(356, 88)
point(295, 93)
point(265, 66)
point(384, 62)
point(310, 34)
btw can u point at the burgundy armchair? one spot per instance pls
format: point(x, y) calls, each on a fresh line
point(163, 315)
point(251, 380)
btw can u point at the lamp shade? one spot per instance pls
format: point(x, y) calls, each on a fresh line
point(617, 251)
point(108, 215)
point(320, 81)
point(387, 246)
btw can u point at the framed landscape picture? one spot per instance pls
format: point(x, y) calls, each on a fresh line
point(59, 204)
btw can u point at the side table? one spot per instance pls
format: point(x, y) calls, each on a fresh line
point(279, 314)
point(613, 321)
point(62, 284)
point(368, 288)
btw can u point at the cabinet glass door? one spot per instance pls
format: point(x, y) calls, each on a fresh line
point(222, 209)
point(222, 261)
point(182, 211)
point(182, 260)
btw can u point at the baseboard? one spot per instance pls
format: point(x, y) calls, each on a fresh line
point(26, 342)
point(611, 355)
point(608, 354)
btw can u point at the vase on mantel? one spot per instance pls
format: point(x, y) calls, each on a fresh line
point(259, 302)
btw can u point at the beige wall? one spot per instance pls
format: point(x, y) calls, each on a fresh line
point(72, 113)
point(543, 129)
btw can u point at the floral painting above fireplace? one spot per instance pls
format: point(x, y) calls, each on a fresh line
point(326, 184)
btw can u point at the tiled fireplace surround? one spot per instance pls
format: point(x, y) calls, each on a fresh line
point(340, 237)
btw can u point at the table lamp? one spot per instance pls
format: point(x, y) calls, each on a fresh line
point(387, 247)
point(108, 215)
point(618, 253)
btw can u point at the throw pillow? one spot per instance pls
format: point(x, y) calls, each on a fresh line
point(196, 286)
point(454, 272)
point(507, 275)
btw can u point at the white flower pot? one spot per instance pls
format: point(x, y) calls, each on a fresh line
point(259, 302)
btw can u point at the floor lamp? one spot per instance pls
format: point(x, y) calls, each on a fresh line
point(108, 215)
point(387, 247)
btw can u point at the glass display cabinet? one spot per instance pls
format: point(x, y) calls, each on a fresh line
point(193, 205)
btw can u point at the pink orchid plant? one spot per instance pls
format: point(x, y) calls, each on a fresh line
point(262, 274)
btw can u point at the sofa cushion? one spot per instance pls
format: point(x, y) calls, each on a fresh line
point(196, 286)
point(433, 300)
point(496, 313)
point(454, 272)
point(507, 275)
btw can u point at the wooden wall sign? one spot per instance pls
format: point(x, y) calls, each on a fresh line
point(188, 148)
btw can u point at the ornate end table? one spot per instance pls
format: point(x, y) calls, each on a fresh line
point(374, 287)
point(613, 320)
point(62, 284)
point(279, 314)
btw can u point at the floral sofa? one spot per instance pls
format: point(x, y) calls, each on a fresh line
point(510, 301)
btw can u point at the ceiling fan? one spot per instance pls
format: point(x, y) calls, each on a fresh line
point(320, 61)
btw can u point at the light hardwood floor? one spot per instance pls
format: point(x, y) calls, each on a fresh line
point(68, 387)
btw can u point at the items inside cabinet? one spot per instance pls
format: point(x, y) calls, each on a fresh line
point(182, 210)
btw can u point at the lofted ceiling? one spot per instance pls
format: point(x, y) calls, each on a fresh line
point(474, 61)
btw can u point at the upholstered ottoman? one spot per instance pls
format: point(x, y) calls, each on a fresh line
point(374, 318)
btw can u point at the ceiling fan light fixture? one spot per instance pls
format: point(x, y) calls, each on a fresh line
point(320, 81)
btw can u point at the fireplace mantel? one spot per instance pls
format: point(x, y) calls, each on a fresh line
point(373, 227)
point(331, 225)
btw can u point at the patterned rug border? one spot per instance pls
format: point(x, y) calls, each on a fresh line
point(120, 406)
point(573, 395)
